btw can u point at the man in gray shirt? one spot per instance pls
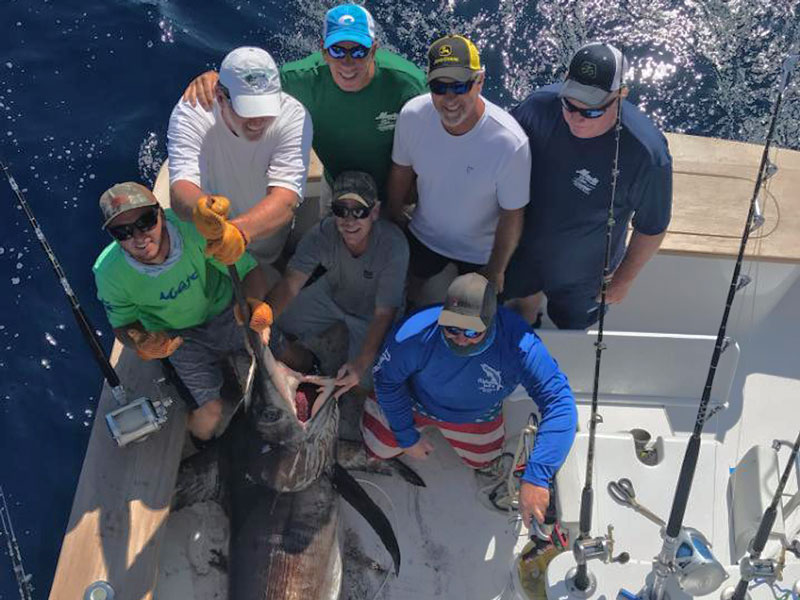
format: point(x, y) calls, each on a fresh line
point(365, 261)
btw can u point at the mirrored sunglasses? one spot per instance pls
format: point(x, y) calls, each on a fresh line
point(586, 113)
point(339, 52)
point(144, 224)
point(343, 211)
point(440, 88)
point(467, 333)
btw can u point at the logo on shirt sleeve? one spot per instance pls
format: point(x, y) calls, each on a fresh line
point(383, 358)
point(584, 181)
point(493, 382)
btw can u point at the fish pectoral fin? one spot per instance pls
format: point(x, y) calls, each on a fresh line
point(406, 472)
point(357, 497)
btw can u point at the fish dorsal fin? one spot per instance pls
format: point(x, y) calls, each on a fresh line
point(357, 497)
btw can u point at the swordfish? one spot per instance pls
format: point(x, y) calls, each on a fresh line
point(275, 472)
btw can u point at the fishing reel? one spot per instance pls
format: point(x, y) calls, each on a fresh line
point(134, 421)
point(698, 572)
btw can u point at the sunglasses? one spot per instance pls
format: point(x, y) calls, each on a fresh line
point(586, 113)
point(144, 224)
point(470, 334)
point(343, 211)
point(440, 88)
point(339, 52)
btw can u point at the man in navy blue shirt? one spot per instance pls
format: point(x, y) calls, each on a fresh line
point(450, 367)
point(570, 126)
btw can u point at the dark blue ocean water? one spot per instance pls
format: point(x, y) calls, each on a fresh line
point(85, 93)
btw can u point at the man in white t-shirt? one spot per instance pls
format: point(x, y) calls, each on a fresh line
point(471, 162)
point(252, 148)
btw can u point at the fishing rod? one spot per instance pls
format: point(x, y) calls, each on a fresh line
point(77, 311)
point(751, 566)
point(23, 579)
point(130, 421)
point(664, 564)
point(586, 547)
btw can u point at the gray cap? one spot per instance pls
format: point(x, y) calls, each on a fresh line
point(356, 185)
point(122, 197)
point(595, 74)
point(471, 303)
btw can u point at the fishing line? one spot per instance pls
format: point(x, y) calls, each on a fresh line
point(77, 311)
point(394, 519)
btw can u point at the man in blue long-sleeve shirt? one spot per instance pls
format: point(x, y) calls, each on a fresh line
point(451, 366)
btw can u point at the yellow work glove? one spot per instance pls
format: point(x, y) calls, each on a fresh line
point(260, 314)
point(224, 241)
point(154, 344)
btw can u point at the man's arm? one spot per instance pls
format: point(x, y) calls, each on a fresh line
point(255, 285)
point(352, 371)
point(640, 250)
point(272, 212)
point(506, 238)
point(288, 287)
point(183, 197)
point(398, 188)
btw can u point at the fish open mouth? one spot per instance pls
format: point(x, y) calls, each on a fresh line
point(304, 398)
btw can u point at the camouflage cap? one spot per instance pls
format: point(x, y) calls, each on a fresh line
point(356, 185)
point(122, 197)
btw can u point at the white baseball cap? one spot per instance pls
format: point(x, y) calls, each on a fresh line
point(251, 78)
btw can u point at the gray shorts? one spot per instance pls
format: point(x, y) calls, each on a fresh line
point(311, 312)
point(198, 360)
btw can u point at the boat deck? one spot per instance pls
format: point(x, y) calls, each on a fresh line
point(452, 546)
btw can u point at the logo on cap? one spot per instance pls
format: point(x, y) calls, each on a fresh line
point(347, 20)
point(445, 50)
point(589, 69)
point(118, 201)
point(257, 80)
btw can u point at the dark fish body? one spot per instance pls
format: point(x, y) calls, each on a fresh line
point(279, 481)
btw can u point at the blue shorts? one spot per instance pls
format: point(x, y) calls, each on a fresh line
point(571, 306)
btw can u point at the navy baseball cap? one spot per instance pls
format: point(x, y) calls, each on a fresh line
point(595, 74)
point(348, 23)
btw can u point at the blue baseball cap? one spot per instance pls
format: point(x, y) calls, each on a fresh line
point(348, 23)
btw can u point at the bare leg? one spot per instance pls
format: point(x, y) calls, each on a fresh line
point(204, 420)
point(528, 307)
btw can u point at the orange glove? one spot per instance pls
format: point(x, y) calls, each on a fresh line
point(260, 314)
point(224, 241)
point(154, 344)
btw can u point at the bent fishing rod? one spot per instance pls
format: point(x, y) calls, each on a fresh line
point(77, 311)
point(751, 566)
point(586, 547)
point(663, 565)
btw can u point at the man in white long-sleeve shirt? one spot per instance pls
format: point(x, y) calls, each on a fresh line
point(252, 148)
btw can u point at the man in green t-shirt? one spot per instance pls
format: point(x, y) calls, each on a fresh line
point(353, 91)
point(166, 299)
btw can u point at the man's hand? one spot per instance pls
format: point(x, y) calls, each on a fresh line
point(496, 279)
point(260, 315)
point(347, 378)
point(420, 450)
point(225, 241)
point(533, 501)
point(201, 89)
point(617, 290)
point(153, 344)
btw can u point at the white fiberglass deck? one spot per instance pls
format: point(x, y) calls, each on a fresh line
point(454, 548)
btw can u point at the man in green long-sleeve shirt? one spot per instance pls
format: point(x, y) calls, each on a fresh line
point(353, 91)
